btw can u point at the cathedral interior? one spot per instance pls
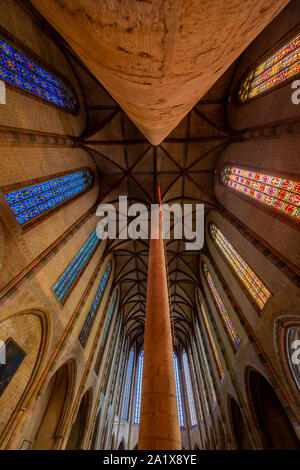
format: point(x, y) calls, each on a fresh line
point(137, 343)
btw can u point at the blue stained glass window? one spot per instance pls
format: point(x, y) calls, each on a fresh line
point(139, 389)
point(93, 310)
point(22, 72)
point(178, 391)
point(75, 268)
point(33, 201)
point(188, 380)
point(128, 385)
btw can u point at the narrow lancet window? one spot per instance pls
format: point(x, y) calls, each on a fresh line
point(254, 286)
point(230, 329)
point(279, 67)
point(278, 193)
point(32, 203)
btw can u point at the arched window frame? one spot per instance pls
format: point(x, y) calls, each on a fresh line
point(128, 384)
point(78, 272)
point(109, 321)
point(92, 313)
point(138, 387)
point(31, 55)
point(191, 401)
point(179, 394)
point(247, 76)
point(211, 336)
point(233, 272)
point(290, 220)
point(49, 212)
point(230, 339)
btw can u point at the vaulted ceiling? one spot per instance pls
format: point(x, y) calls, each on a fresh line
point(169, 66)
point(183, 166)
point(158, 58)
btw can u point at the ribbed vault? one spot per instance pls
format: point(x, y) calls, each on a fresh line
point(183, 166)
point(157, 58)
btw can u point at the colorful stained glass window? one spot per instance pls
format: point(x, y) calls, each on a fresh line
point(72, 273)
point(213, 344)
point(178, 391)
point(234, 337)
point(138, 396)
point(280, 66)
point(105, 333)
point(250, 280)
point(34, 201)
point(19, 71)
point(189, 388)
point(206, 366)
point(95, 305)
point(279, 193)
point(128, 385)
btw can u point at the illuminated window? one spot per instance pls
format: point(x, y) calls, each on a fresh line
point(139, 388)
point(250, 280)
point(178, 391)
point(276, 69)
point(278, 193)
point(234, 337)
point(190, 393)
point(21, 72)
point(200, 379)
point(206, 366)
point(128, 385)
point(213, 344)
point(72, 273)
point(105, 333)
point(33, 202)
point(95, 305)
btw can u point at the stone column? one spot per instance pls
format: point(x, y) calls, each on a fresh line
point(159, 423)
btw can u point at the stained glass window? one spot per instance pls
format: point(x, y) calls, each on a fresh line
point(128, 385)
point(213, 344)
point(279, 193)
point(200, 379)
point(206, 366)
point(105, 333)
point(280, 66)
point(34, 201)
point(95, 305)
point(178, 391)
point(234, 337)
point(250, 280)
point(139, 389)
point(190, 394)
point(21, 72)
point(72, 273)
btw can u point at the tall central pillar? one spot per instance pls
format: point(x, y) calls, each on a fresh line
point(159, 424)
